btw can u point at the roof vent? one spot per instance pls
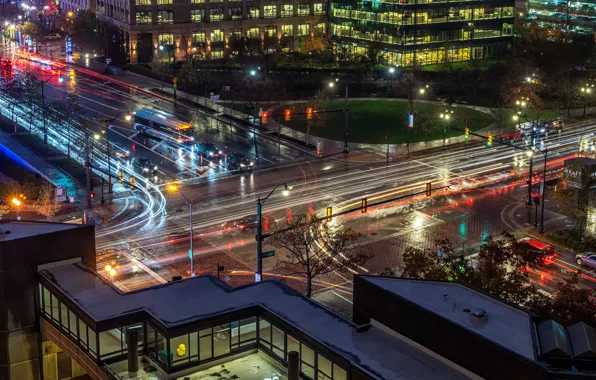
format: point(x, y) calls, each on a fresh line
point(583, 340)
point(553, 340)
point(479, 313)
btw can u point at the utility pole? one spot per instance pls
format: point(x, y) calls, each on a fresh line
point(346, 125)
point(541, 229)
point(88, 173)
point(259, 238)
point(531, 158)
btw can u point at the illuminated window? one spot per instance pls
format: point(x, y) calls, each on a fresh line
point(165, 17)
point(253, 12)
point(217, 35)
point(270, 11)
point(253, 33)
point(216, 14)
point(235, 13)
point(143, 17)
point(143, 2)
point(318, 9)
point(197, 15)
point(303, 29)
point(164, 2)
point(236, 32)
point(287, 30)
point(320, 28)
point(271, 31)
point(198, 37)
point(304, 9)
point(197, 1)
point(287, 10)
point(165, 39)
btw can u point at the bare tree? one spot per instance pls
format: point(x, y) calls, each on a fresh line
point(46, 204)
point(317, 248)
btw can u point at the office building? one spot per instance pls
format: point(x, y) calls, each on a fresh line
point(422, 32)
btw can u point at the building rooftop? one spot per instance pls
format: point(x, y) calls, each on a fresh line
point(197, 298)
point(13, 229)
point(506, 325)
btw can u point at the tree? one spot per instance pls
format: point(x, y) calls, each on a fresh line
point(426, 122)
point(34, 31)
point(570, 303)
point(313, 44)
point(46, 203)
point(66, 113)
point(4, 209)
point(501, 267)
point(317, 248)
point(11, 87)
point(84, 32)
point(28, 84)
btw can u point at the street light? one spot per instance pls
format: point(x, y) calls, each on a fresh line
point(421, 91)
point(331, 84)
point(17, 203)
point(585, 92)
point(160, 47)
point(259, 238)
point(128, 118)
point(70, 14)
point(253, 72)
point(96, 136)
point(174, 188)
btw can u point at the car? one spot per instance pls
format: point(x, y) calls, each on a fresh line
point(238, 161)
point(248, 224)
point(208, 149)
point(587, 259)
point(6, 65)
point(144, 165)
point(545, 253)
point(120, 150)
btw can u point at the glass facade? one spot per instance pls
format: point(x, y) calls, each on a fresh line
point(173, 353)
point(401, 29)
point(577, 17)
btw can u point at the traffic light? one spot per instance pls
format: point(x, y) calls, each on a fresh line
point(364, 206)
point(467, 132)
point(329, 213)
point(308, 113)
point(428, 189)
point(264, 118)
point(132, 182)
point(287, 115)
point(489, 142)
point(121, 176)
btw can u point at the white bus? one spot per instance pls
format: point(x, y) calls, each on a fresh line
point(162, 125)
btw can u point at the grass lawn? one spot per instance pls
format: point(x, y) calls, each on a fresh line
point(371, 120)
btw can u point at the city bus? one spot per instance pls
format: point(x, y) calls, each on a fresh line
point(161, 125)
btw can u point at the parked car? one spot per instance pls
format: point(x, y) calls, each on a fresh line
point(144, 165)
point(587, 259)
point(208, 149)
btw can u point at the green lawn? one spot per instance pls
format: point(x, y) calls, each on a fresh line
point(371, 120)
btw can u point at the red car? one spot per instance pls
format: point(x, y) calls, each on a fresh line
point(6, 65)
point(546, 253)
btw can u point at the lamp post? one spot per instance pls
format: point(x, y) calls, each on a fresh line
point(347, 114)
point(259, 237)
point(541, 229)
point(446, 117)
point(189, 203)
point(391, 71)
point(107, 123)
point(17, 204)
point(586, 91)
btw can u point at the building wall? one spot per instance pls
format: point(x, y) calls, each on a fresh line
point(457, 344)
point(19, 259)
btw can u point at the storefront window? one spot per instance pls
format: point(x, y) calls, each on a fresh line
point(265, 333)
point(307, 361)
point(292, 344)
point(339, 373)
point(205, 344)
point(277, 338)
point(221, 340)
point(324, 368)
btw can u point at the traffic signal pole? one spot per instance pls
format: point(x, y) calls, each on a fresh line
point(529, 197)
point(88, 173)
point(346, 125)
point(541, 229)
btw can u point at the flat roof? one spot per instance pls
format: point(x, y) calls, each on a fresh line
point(197, 298)
point(21, 229)
point(506, 325)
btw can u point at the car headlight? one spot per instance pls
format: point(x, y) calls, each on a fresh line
point(252, 163)
point(220, 152)
point(242, 165)
point(155, 168)
point(192, 138)
point(145, 169)
point(211, 153)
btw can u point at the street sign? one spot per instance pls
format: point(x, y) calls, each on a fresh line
point(267, 254)
point(108, 60)
point(190, 253)
point(257, 277)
